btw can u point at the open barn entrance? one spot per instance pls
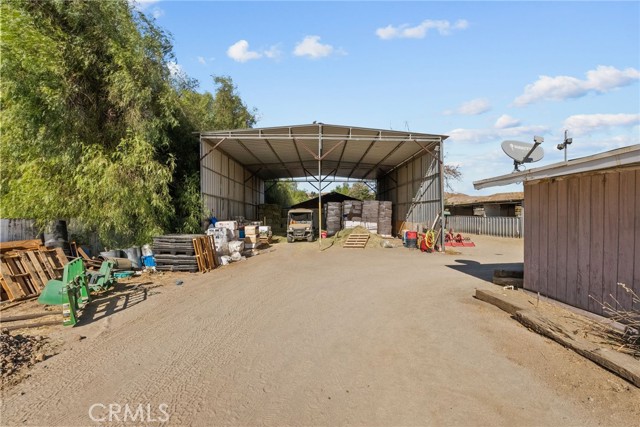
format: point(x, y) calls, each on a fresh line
point(405, 166)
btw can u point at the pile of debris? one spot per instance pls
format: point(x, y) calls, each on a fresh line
point(18, 351)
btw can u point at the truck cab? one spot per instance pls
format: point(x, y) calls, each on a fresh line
point(301, 225)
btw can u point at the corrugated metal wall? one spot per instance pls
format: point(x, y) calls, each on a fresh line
point(501, 226)
point(582, 236)
point(414, 189)
point(17, 229)
point(228, 189)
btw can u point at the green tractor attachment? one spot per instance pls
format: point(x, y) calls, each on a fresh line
point(73, 291)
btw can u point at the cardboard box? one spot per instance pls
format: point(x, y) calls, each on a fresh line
point(251, 230)
point(250, 239)
point(231, 225)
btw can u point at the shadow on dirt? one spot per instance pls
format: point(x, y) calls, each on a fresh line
point(484, 271)
point(121, 297)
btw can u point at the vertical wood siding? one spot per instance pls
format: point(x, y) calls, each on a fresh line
point(582, 237)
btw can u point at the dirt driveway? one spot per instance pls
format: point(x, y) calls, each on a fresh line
point(302, 337)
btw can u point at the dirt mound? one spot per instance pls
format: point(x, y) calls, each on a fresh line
point(19, 351)
point(375, 240)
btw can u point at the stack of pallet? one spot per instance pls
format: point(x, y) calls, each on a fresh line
point(384, 219)
point(370, 215)
point(26, 266)
point(175, 252)
point(334, 218)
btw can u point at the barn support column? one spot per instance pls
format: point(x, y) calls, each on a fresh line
point(320, 186)
point(442, 218)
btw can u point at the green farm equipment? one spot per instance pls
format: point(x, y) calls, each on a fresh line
point(73, 291)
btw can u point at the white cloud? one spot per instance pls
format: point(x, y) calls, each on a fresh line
point(240, 52)
point(471, 108)
point(142, 4)
point(176, 70)
point(145, 5)
point(420, 31)
point(602, 79)
point(273, 52)
point(581, 124)
point(157, 12)
point(506, 121)
point(202, 60)
point(485, 135)
point(310, 46)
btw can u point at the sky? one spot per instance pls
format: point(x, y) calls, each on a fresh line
point(479, 72)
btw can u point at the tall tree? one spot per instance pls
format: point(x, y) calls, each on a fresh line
point(86, 105)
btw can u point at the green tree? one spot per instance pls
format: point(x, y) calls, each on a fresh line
point(358, 190)
point(86, 105)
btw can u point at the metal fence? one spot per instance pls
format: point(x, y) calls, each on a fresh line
point(17, 229)
point(501, 226)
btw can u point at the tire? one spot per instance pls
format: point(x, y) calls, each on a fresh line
point(310, 238)
point(289, 239)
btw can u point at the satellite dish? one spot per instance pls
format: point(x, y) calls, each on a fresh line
point(521, 152)
point(518, 151)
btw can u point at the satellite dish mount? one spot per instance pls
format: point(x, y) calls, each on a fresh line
point(522, 152)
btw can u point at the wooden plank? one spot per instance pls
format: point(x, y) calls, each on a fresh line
point(552, 239)
point(196, 247)
point(584, 241)
point(36, 283)
point(610, 238)
point(573, 200)
point(596, 255)
point(8, 289)
point(62, 257)
point(626, 235)
point(501, 301)
point(46, 266)
point(36, 264)
point(14, 277)
point(562, 238)
point(543, 233)
point(32, 244)
point(529, 276)
point(636, 273)
point(621, 364)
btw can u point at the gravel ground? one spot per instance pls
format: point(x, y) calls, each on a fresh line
point(299, 336)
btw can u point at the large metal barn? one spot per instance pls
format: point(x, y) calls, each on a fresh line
point(406, 166)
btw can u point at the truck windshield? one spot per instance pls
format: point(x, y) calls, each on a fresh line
point(300, 218)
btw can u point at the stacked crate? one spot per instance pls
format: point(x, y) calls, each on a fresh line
point(384, 219)
point(370, 215)
point(334, 218)
point(352, 213)
point(175, 252)
point(251, 236)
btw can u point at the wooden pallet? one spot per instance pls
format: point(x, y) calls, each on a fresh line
point(357, 241)
point(25, 273)
point(205, 251)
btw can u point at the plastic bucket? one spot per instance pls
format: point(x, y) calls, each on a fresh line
point(412, 235)
point(412, 243)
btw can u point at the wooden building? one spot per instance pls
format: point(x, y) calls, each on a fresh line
point(582, 232)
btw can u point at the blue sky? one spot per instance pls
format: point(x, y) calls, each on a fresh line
point(481, 72)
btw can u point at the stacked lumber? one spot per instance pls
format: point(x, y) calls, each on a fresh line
point(370, 215)
point(384, 218)
point(183, 252)
point(334, 218)
point(26, 266)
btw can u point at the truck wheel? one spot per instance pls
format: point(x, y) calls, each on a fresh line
point(310, 238)
point(289, 239)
